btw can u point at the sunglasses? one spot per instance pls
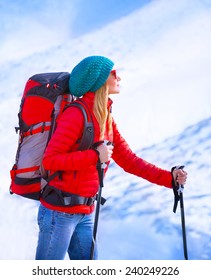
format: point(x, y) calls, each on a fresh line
point(113, 72)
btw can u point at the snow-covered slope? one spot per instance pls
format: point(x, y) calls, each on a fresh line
point(163, 56)
point(137, 220)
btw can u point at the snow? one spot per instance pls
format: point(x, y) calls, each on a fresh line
point(162, 53)
point(143, 211)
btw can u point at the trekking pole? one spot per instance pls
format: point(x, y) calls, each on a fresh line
point(178, 196)
point(97, 212)
point(100, 200)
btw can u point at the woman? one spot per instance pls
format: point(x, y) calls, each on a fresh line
point(67, 227)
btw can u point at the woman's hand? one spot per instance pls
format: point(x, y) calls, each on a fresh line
point(180, 176)
point(105, 152)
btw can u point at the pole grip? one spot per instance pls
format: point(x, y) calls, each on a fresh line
point(177, 189)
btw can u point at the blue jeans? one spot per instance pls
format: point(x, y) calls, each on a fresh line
point(61, 233)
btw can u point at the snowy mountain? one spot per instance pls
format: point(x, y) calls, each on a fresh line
point(162, 53)
point(139, 215)
point(34, 26)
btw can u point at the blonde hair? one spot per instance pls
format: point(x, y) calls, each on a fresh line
point(101, 111)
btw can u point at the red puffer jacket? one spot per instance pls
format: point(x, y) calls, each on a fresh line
point(79, 173)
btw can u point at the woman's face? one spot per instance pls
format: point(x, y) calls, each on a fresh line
point(113, 83)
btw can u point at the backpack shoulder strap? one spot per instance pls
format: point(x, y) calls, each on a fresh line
point(88, 134)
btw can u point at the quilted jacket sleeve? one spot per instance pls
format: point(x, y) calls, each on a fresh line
point(133, 164)
point(61, 153)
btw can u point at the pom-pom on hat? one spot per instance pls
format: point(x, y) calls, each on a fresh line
point(89, 74)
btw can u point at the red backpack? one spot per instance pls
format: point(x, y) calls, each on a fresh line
point(44, 98)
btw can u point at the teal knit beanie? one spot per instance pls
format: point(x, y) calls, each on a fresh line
point(89, 74)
